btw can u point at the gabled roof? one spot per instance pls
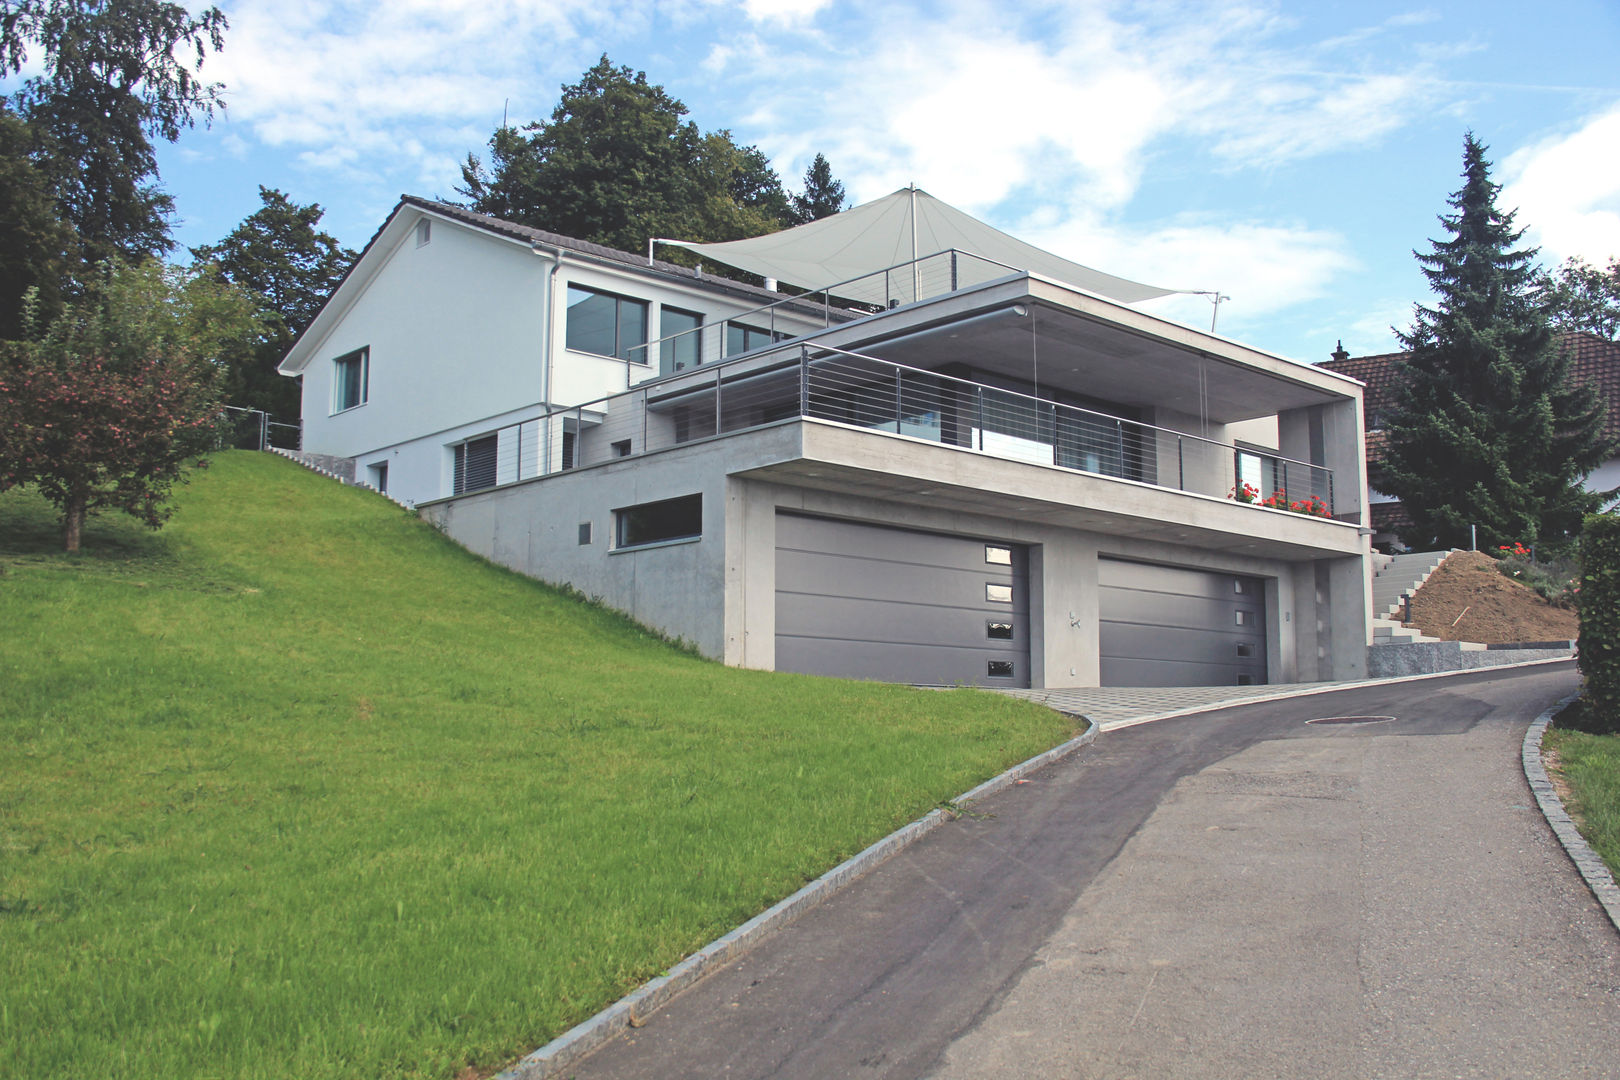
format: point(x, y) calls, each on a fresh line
point(1594, 361)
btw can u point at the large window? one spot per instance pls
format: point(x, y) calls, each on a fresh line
point(658, 522)
point(678, 353)
point(740, 337)
point(606, 324)
point(475, 464)
point(351, 375)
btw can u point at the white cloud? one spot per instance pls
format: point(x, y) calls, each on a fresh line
point(783, 10)
point(1567, 190)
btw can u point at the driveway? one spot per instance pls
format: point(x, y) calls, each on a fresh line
point(1230, 894)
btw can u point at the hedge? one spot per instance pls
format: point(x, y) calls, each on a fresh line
point(1600, 619)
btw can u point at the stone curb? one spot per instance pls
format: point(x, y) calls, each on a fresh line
point(630, 1010)
point(1593, 869)
point(1115, 725)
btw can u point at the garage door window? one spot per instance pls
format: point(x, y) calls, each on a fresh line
point(998, 631)
point(1000, 669)
point(659, 522)
point(996, 555)
point(997, 593)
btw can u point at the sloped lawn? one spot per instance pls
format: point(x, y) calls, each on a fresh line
point(298, 788)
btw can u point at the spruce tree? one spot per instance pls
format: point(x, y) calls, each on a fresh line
point(1486, 429)
point(823, 196)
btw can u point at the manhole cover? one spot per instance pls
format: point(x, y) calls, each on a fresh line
point(1351, 720)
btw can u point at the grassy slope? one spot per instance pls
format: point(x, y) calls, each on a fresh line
point(298, 788)
point(1590, 765)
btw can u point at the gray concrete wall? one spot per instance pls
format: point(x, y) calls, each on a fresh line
point(719, 591)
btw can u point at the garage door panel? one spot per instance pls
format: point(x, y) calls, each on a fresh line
point(808, 615)
point(876, 602)
point(929, 665)
point(1179, 626)
point(822, 573)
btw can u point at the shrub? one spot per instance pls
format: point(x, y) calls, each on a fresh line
point(1600, 619)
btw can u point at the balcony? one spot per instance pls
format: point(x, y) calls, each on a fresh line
point(859, 391)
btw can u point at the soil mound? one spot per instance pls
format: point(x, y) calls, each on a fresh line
point(1493, 609)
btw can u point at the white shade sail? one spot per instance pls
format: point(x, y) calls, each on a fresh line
point(889, 243)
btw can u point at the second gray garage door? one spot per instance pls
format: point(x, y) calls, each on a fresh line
point(873, 602)
point(1173, 626)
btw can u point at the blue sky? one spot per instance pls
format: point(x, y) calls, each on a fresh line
point(1291, 155)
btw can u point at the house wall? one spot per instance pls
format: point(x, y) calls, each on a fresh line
point(459, 343)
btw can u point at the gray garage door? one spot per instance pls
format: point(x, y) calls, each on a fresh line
point(871, 602)
point(1170, 626)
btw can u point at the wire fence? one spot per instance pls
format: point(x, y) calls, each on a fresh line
point(255, 429)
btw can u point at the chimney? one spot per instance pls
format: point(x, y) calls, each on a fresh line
point(1340, 354)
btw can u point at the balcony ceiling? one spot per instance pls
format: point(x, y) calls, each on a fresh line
point(1067, 350)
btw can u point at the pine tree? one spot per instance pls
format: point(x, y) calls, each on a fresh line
point(823, 196)
point(1486, 430)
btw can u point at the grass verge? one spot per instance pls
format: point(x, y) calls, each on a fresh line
point(298, 788)
point(1589, 765)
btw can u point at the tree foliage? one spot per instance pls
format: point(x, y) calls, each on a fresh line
point(822, 196)
point(618, 164)
point(102, 406)
point(1600, 621)
point(37, 245)
point(1580, 296)
point(117, 73)
point(279, 254)
point(1486, 429)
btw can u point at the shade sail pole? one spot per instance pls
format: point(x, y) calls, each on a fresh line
point(916, 285)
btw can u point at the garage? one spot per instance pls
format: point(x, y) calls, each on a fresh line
point(873, 602)
point(1175, 626)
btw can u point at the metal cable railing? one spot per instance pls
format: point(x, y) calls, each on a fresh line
point(826, 383)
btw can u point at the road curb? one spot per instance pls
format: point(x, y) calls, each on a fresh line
point(1593, 869)
point(630, 1010)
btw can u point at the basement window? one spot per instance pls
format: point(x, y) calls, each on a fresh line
point(662, 522)
point(475, 465)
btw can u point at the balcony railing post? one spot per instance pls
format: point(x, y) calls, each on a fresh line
point(1331, 508)
point(899, 386)
point(1057, 457)
point(979, 392)
point(804, 380)
point(1119, 443)
point(1181, 464)
point(717, 412)
point(953, 269)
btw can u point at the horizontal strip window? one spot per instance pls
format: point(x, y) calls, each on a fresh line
point(607, 324)
point(741, 338)
point(658, 522)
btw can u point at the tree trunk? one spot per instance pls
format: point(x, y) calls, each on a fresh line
point(72, 522)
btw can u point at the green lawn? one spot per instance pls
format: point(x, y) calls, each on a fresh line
point(1590, 764)
point(298, 788)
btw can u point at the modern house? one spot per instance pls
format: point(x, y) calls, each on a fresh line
point(1594, 361)
point(974, 465)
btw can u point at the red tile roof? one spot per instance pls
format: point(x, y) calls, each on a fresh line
point(1593, 360)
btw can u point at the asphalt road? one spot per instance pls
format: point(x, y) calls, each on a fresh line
point(1231, 894)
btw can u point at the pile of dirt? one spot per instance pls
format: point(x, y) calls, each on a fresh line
point(1494, 608)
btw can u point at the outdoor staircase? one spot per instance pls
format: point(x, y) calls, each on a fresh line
point(1396, 577)
point(339, 469)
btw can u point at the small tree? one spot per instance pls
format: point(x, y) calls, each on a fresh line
point(823, 196)
point(106, 405)
point(1582, 297)
point(1486, 428)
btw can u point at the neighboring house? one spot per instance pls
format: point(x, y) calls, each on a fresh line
point(947, 471)
point(1594, 361)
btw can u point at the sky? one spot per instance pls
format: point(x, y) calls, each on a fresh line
point(1291, 156)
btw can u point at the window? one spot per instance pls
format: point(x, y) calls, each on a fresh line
point(350, 376)
point(659, 522)
point(475, 465)
point(741, 338)
point(621, 448)
point(1000, 669)
point(424, 232)
point(584, 533)
point(998, 631)
point(679, 353)
point(996, 555)
point(606, 324)
point(997, 594)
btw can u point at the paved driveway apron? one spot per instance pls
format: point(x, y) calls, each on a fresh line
point(1231, 894)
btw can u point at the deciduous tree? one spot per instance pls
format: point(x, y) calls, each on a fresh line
point(618, 164)
point(1580, 296)
point(1486, 429)
point(279, 254)
point(116, 73)
point(106, 405)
